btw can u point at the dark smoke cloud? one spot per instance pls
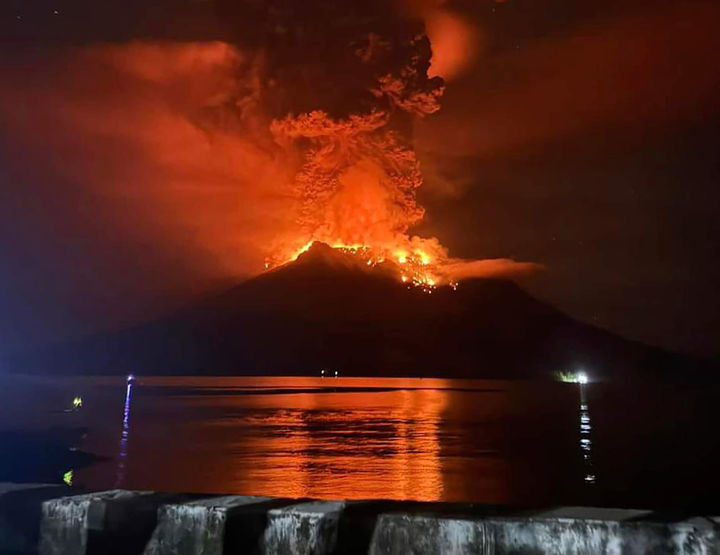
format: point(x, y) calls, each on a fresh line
point(343, 58)
point(343, 83)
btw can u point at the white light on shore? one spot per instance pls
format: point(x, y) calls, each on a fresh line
point(578, 377)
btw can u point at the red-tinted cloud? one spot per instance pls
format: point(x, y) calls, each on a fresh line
point(140, 126)
point(488, 268)
point(632, 71)
point(129, 182)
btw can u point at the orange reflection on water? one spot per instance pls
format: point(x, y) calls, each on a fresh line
point(355, 438)
point(335, 444)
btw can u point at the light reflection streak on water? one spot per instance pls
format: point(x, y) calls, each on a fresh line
point(586, 437)
point(124, 437)
point(298, 459)
point(350, 438)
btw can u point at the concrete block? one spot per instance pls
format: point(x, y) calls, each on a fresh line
point(420, 534)
point(104, 523)
point(574, 537)
point(135, 523)
point(699, 535)
point(305, 528)
point(205, 526)
point(580, 531)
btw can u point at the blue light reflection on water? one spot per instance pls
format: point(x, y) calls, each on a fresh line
point(586, 437)
point(125, 436)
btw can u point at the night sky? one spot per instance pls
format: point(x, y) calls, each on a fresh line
point(582, 136)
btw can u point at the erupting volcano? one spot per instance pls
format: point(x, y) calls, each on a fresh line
point(342, 87)
point(286, 153)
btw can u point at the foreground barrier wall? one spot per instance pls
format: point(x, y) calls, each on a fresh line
point(136, 523)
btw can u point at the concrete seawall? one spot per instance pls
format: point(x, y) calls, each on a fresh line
point(47, 520)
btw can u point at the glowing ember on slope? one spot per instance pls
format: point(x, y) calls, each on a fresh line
point(416, 267)
point(413, 267)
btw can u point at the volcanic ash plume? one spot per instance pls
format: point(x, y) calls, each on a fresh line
point(343, 83)
point(343, 87)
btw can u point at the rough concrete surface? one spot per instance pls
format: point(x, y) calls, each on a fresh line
point(149, 523)
point(198, 527)
point(305, 528)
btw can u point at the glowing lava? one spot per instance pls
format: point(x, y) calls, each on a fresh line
point(413, 266)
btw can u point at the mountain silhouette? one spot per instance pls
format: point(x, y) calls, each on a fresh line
point(329, 310)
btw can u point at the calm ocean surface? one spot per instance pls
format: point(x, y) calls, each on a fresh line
point(500, 442)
